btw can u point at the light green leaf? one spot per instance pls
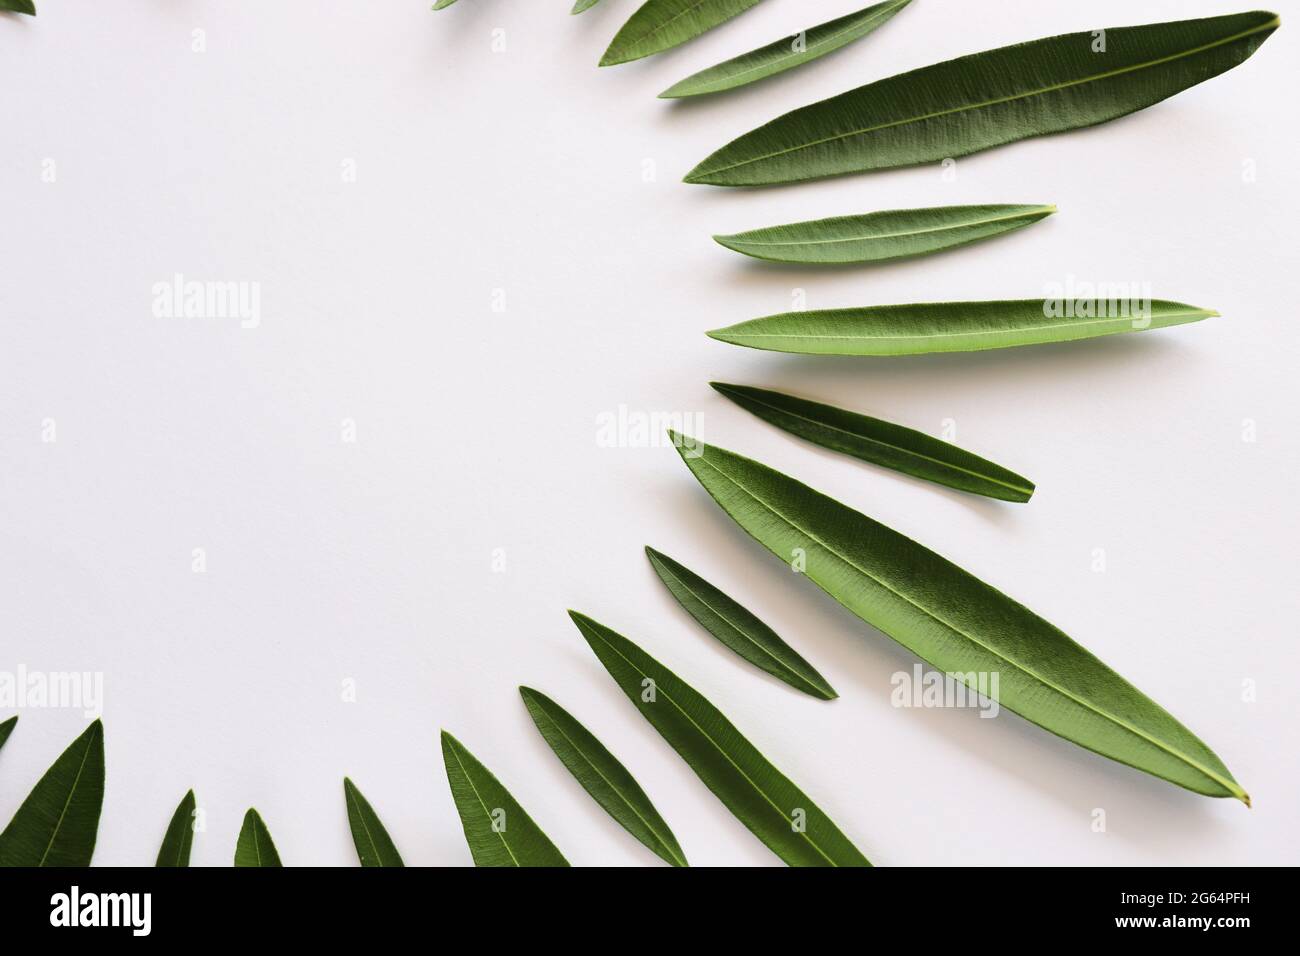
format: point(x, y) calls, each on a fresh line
point(659, 25)
point(374, 846)
point(7, 728)
point(986, 99)
point(580, 6)
point(878, 236)
point(881, 443)
point(602, 776)
point(58, 822)
point(498, 830)
point(760, 796)
point(786, 53)
point(255, 846)
point(179, 838)
point(19, 6)
point(443, 4)
point(957, 623)
point(737, 628)
point(954, 326)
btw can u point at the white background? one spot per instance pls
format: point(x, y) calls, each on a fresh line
point(523, 170)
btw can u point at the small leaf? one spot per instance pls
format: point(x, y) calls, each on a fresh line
point(964, 628)
point(443, 4)
point(19, 6)
point(953, 326)
point(737, 628)
point(881, 443)
point(759, 795)
point(786, 53)
point(498, 830)
point(659, 25)
point(879, 236)
point(602, 776)
point(374, 846)
point(986, 99)
point(58, 822)
point(7, 728)
point(179, 838)
point(255, 846)
point(581, 6)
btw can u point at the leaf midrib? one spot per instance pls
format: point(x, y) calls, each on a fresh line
point(1272, 24)
point(1122, 724)
point(705, 734)
point(455, 752)
point(969, 224)
point(365, 827)
point(76, 781)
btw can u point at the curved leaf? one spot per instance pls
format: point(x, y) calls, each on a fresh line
point(878, 236)
point(953, 326)
point(374, 846)
point(881, 443)
point(255, 846)
point(58, 822)
point(986, 99)
point(786, 53)
point(957, 623)
point(498, 830)
point(19, 6)
point(581, 6)
point(7, 728)
point(602, 776)
point(659, 25)
point(737, 628)
point(760, 796)
point(179, 838)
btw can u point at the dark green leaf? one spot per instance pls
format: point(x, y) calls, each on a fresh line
point(57, 823)
point(786, 53)
point(960, 625)
point(255, 846)
point(602, 776)
point(881, 443)
point(737, 628)
point(986, 99)
point(498, 830)
point(659, 25)
point(7, 728)
point(878, 236)
point(19, 6)
point(760, 796)
point(953, 326)
point(374, 846)
point(179, 838)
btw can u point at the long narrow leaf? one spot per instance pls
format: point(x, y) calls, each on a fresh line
point(786, 53)
point(601, 775)
point(957, 623)
point(179, 838)
point(255, 847)
point(881, 443)
point(7, 728)
point(737, 628)
point(374, 845)
point(879, 236)
point(659, 25)
point(986, 99)
point(953, 326)
point(581, 6)
point(443, 4)
point(498, 830)
point(759, 795)
point(58, 822)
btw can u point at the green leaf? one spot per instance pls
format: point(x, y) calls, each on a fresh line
point(659, 25)
point(602, 776)
point(881, 443)
point(374, 846)
point(255, 846)
point(7, 728)
point(443, 4)
point(581, 6)
point(760, 796)
point(498, 830)
point(786, 53)
point(954, 326)
point(57, 823)
point(179, 838)
point(878, 236)
point(957, 623)
point(986, 99)
point(19, 6)
point(737, 628)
